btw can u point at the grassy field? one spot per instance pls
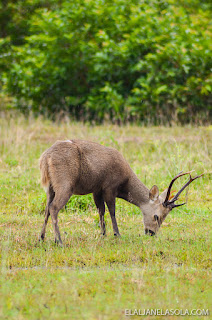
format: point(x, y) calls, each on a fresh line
point(93, 277)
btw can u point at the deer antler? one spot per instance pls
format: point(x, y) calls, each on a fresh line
point(171, 203)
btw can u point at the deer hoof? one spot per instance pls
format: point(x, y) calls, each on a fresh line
point(117, 235)
point(58, 243)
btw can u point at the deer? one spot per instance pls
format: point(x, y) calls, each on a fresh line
point(79, 167)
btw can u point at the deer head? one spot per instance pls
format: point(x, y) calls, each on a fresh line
point(159, 206)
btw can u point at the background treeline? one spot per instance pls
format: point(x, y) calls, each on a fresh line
point(120, 60)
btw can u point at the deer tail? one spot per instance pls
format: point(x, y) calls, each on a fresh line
point(44, 169)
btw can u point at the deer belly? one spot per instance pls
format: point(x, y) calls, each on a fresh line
point(86, 186)
point(83, 189)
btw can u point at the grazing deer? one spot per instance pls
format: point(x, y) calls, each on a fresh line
point(81, 167)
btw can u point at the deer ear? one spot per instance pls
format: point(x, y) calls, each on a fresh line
point(163, 194)
point(154, 193)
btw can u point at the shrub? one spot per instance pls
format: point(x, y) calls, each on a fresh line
point(116, 60)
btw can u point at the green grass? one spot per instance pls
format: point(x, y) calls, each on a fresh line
point(93, 277)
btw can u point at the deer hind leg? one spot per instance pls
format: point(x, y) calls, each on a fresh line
point(50, 197)
point(61, 198)
point(110, 201)
point(99, 202)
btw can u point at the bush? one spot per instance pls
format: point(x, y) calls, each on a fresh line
point(116, 60)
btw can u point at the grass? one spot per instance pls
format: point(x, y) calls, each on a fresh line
point(93, 277)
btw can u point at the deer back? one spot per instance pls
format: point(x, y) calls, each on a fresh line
point(86, 166)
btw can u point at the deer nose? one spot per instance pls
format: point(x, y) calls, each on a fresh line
point(150, 232)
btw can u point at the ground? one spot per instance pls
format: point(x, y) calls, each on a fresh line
point(95, 277)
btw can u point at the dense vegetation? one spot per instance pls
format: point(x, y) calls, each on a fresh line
point(101, 59)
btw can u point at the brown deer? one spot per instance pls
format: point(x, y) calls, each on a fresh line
point(81, 167)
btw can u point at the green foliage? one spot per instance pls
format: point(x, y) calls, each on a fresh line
point(116, 60)
point(78, 204)
point(15, 16)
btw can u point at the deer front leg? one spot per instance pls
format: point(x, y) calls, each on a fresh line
point(110, 201)
point(99, 202)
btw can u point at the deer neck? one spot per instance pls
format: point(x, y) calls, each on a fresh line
point(138, 193)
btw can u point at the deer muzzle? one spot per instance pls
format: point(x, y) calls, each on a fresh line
point(150, 232)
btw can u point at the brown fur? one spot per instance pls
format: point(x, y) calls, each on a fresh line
point(82, 167)
point(44, 172)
